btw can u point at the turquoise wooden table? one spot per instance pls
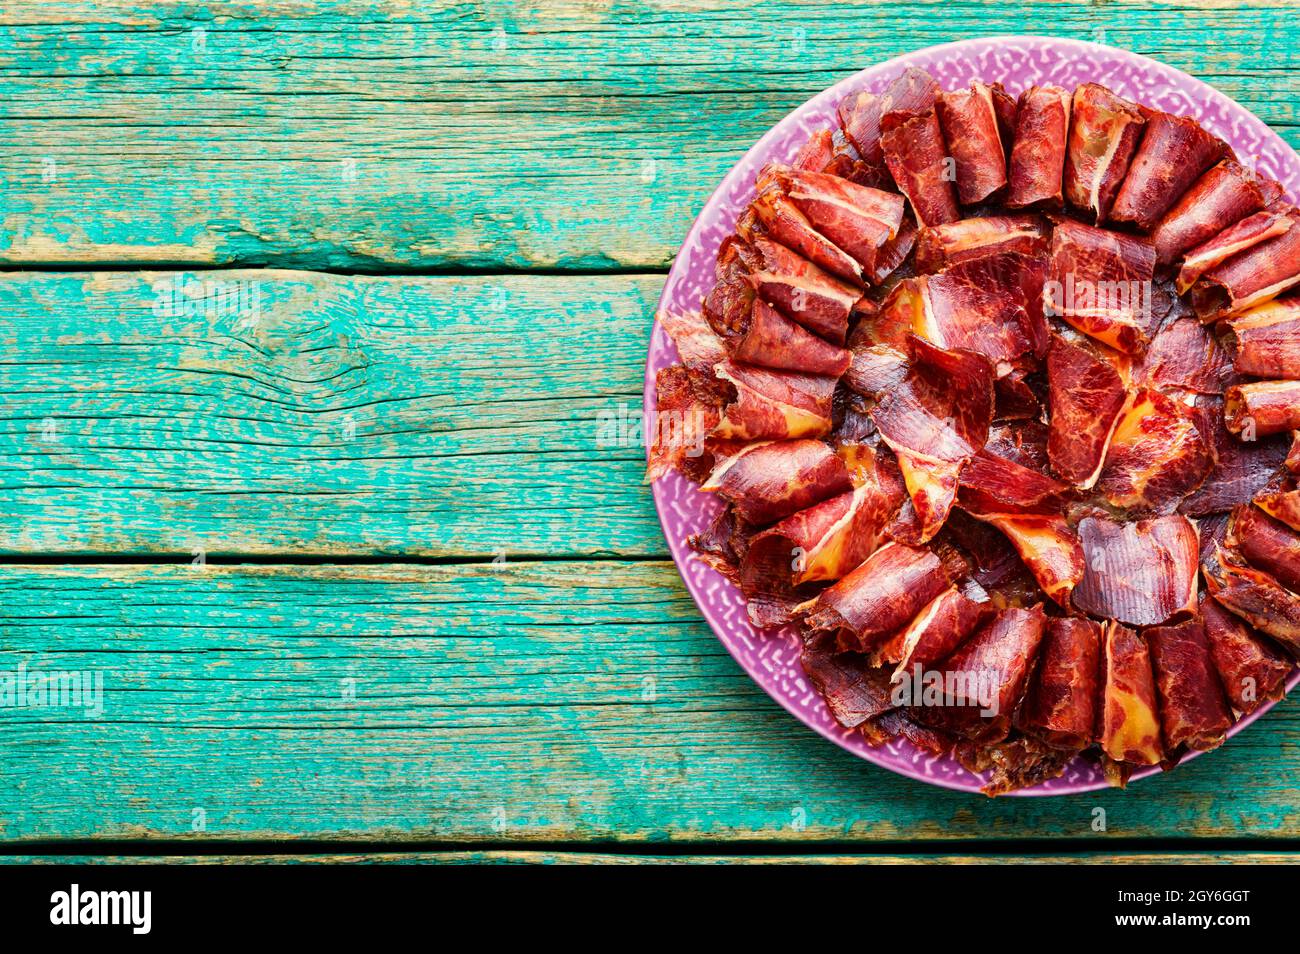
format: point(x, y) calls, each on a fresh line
point(311, 316)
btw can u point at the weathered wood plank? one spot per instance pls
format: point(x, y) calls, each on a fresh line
point(560, 133)
point(542, 703)
point(604, 858)
point(296, 412)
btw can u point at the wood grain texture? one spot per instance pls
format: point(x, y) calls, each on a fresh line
point(604, 858)
point(537, 702)
point(547, 133)
point(295, 412)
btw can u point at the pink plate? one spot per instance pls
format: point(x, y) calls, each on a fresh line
point(771, 657)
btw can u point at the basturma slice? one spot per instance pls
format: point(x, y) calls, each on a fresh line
point(754, 332)
point(1129, 729)
point(861, 111)
point(942, 626)
point(854, 690)
point(1266, 339)
point(858, 219)
point(1141, 573)
point(1086, 396)
point(769, 480)
point(986, 678)
point(1283, 506)
point(970, 128)
point(1062, 701)
point(1173, 154)
point(1186, 356)
point(1253, 595)
point(1252, 669)
point(918, 160)
point(811, 296)
point(1193, 710)
point(1104, 133)
point(1223, 196)
point(1101, 283)
point(934, 421)
point(1236, 238)
point(773, 215)
point(1261, 408)
point(1251, 277)
point(1266, 544)
point(1241, 468)
point(1156, 456)
point(880, 597)
point(1037, 161)
point(943, 245)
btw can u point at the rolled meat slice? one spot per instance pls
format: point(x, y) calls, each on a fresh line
point(1252, 277)
point(984, 681)
point(1037, 161)
point(1104, 134)
point(1193, 710)
point(1157, 455)
point(953, 242)
point(969, 121)
point(853, 688)
point(1241, 469)
point(774, 216)
point(861, 111)
point(943, 625)
point(1254, 595)
point(1262, 408)
point(1086, 396)
point(1141, 573)
point(811, 296)
point(1283, 506)
point(894, 252)
point(1101, 283)
point(1236, 238)
point(1223, 196)
point(880, 597)
point(1061, 706)
point(1175, 150)
point(918, 160)
point(857, 219)
point(1128, 726)
point(769, 480)
point(1266, 544)
point(1185, 355)
point(1266, 339)
point(1251, 668)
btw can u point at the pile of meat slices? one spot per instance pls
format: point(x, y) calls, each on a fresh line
point(984, 382)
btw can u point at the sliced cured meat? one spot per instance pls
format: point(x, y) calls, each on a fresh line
point(1020, 762)
point(861, 111)
point(761, 335)
point(934, 421)
point(1175, 150)
point(1037, 161)
point(811, 296)
point(1283, 506)
point(1021, 442)
point(1128, 727)
point(1241, 469)
point(942, 626)
point(1251, 668)
point(1156, 455)
point(1262, 408)
point(858, 219)
point(771, 404)
point(822, 543)
point(1044, 542)
point(1223, 196)
point(770, 480)
point(688, 408)
point(817, 153)
point(1017, 397)
point(986, 678)
point(989, 482)
point(1101, 283)
point(1252, 277)
point(1266, 544)
point(880, 597)
point(1141, 573)
point(1104, 133)
point(953, 242)
point(1061, 706)
point(1266, 339)
point(990, 305)
point(1292, 461)
point(779, 219)
point(1193, 710)
point(1185, 355)
point(1236, 238)
point(970, 127)
point(1253, 595)
point(917, 159)
point(894, 252)
point(1086, 397)
point(854, 690)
